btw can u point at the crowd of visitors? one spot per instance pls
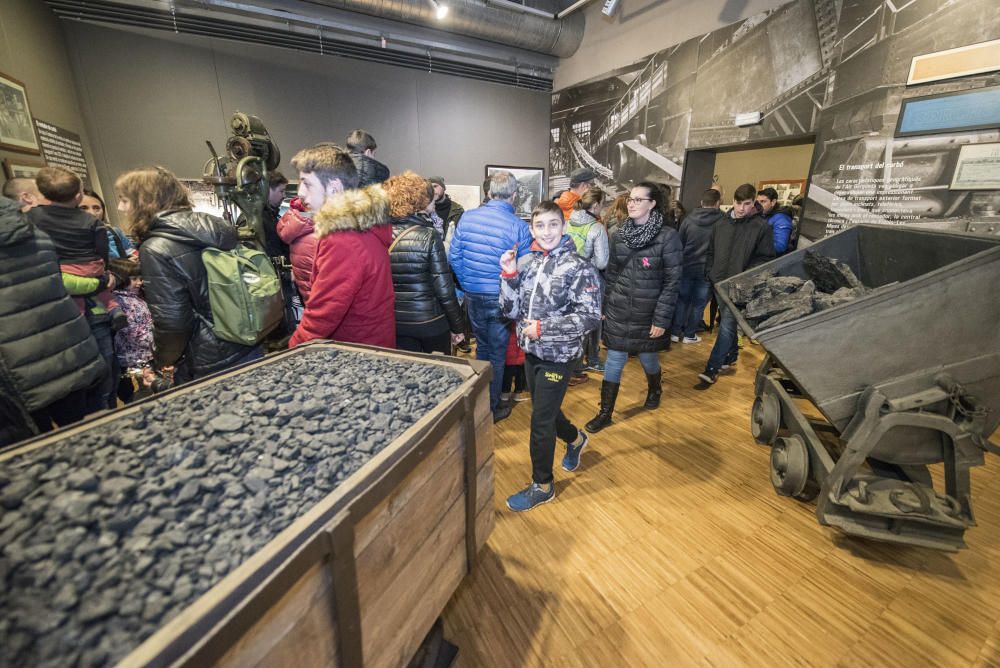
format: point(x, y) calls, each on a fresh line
point(92, 314)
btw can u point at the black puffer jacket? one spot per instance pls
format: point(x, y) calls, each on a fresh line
point(641, 291)
point(370, 170)
point(421, 277)
point(176, 288)
point(46, 349)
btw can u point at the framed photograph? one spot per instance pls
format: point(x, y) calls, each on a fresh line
point(530, 190)
point(788, 189)
point(21, 169)
point(954, 63)
point(17, 131)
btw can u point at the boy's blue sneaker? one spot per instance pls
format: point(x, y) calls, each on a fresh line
point(571, 461)
point(531, 496)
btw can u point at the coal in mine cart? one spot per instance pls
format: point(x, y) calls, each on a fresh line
point(905, 377)
point(361, 577)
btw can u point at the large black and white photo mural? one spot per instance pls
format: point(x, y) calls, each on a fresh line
point(833, 69)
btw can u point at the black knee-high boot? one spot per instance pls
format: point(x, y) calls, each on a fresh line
point(609, 394)
point(654, 391)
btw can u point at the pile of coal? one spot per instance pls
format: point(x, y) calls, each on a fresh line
point(108, 534)
point(767, 300)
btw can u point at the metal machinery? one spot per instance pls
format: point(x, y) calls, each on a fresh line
point(240, 178)
point(903, 378)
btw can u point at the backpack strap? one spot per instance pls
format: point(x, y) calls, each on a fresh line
point(403, 234)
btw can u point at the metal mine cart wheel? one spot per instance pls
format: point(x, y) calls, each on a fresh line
point(901, 377)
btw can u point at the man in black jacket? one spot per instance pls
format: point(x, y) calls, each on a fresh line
point(49, 362)
point(362, 147)
point(696, 234)
point(446, 208)
point(739, 241)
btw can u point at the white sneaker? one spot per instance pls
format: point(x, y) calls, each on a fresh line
point(692, 339)
point(675, 339)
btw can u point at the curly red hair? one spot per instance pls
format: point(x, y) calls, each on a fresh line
point(408, 193)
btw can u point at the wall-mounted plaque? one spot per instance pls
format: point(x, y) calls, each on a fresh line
point(966, 110)
point(62, 148)
point(978, 168)
point(954, 63)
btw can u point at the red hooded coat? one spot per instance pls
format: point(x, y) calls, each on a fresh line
point(351, 298)
point(296, 229)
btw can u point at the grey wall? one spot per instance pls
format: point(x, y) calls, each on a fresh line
point(33, 51)
point(642, 27)
point(153, 97)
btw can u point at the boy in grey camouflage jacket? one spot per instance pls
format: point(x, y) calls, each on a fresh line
point(554, 296)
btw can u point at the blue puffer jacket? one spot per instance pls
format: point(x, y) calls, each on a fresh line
point(481, 237)
point(781, 225)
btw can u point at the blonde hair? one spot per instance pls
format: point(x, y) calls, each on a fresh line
point(149, 191)
point(408, 193)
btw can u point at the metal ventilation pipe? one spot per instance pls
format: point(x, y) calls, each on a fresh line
point(472, 18)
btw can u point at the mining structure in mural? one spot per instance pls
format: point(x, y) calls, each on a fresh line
point(832, 69)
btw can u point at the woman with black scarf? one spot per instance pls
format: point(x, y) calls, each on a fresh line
point(642, 279)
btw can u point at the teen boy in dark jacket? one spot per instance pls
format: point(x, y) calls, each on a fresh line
point(696, 234)
point(554, 295)
point(740, 241)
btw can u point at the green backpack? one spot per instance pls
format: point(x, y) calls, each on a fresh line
point(245, 294)
point(578, 233)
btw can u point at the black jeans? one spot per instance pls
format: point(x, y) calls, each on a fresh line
point(71, 408)
point(547, 382)
point(436, 343)
point(513, 378)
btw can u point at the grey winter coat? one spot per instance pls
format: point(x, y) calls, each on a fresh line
point(46, 349)
point(595, 246)
point(562, 291)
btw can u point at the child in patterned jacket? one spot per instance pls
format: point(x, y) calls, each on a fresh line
point(134, 343)
point(554, 296)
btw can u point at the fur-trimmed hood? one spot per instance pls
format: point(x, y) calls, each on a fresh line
point(357, 210)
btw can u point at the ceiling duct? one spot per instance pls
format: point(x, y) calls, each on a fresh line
point(303, 37)
point(482, 20)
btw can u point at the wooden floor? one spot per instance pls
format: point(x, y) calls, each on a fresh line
point(668, 547)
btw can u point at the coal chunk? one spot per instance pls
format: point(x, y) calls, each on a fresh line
point(829, 274)
point(226, 422)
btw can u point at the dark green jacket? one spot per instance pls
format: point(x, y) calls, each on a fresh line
point(46, 349)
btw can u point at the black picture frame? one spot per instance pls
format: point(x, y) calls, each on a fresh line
point(17, 126)
point(950, 127)
point(532, 180)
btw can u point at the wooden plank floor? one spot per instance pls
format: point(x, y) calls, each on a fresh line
point(668, 547)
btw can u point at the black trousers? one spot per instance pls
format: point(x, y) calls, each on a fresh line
point(513, 378)
point(71, 408)
point(436, 343)
point(547, 382)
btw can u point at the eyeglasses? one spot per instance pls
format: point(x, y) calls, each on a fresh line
point(637, 200)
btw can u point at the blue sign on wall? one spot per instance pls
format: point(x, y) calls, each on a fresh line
point(950, 112)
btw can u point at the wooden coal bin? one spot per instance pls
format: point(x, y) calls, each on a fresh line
point(361, 577)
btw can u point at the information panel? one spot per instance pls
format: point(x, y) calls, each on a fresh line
point(62, 148)
point(950, 112)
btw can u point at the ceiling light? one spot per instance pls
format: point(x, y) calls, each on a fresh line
point(440, 9)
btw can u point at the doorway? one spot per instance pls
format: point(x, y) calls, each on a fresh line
point(784, 165)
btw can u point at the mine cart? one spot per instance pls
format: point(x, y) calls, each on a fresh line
point(356, 577)
point(858, 399)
